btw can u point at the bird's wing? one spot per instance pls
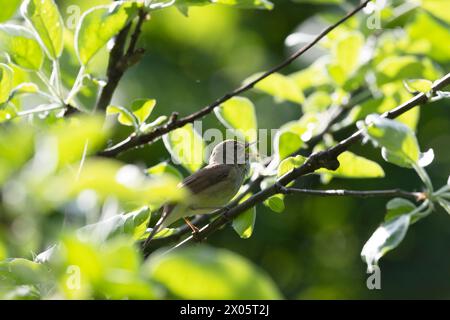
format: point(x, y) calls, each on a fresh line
point(206, 177)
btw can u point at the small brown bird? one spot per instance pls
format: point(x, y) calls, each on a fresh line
point(212, 187)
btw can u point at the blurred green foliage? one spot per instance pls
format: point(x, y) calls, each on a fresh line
point(69, 221)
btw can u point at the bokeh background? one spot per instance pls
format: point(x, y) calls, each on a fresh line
point(312, 249)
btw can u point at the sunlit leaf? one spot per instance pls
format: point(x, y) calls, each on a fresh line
point(426, 36)
point(6, 82)
point(280, 87)
point(19, 271)
point(275, 203)
point(44, 17)
point(126, 223)
point(8, 9)
point(183, 5)
point(142, 108)
point(16, 146)
point(109, 270)
point(346, 56)
point(438, 8)
point(245, 222)
point(109, 178)
point(186, 147)
point(398, 68)
point(418, 85)
point(125, 117)
point(164, 168)
point(286, 143)
point(99, 24)
point(398, 142)
point(353, 166)
point(289, 164)
point(247, 4)
point(26, 87)
point(238, 113)
point(317, 102)
point(426, 158)
point(203, 272)
point(314, 76)
point(387, 237)
point(21, 46)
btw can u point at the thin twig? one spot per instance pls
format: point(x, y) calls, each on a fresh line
point(356, 193)
point(136, 140)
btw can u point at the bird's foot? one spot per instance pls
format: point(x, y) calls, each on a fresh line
point(195, 230)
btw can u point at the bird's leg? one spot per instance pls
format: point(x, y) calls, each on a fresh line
point(195, 230)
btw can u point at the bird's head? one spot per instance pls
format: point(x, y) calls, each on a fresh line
point(230, 152)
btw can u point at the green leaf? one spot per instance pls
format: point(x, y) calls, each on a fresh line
point(398, 206)
point(147, 127)
point(110, 178)
point(110, 269)
point(21, 46)
point(438, 8)
point(315, 75)
point(387, 237)
point(126, 223)
point(247, 4)
point(164, 168)
point(398, 68)
point(9, 8)
point(44, 17)
point(289, 164)
point(288, 138)
point(7, 113)
point(186, 147)
point(20, 271)
point(6, 82)
point(183, 5)
point(202, 272)
point(98, 25)
point(320, 1)
point(126, 117)
point(280, 87)
point(16, 147)
point(418, 85)
point(398, 142)
point(286, 143)
point(142, 108)
point(275, 203)
point(82, 135)
point(353, 166)
point(317, 102)
point(346, 56)
point(245, 222)
point(238, 113)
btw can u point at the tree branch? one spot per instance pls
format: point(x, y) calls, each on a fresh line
point(323, 159)
point(120, 60)
point(136, 140)
point(356, 193)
